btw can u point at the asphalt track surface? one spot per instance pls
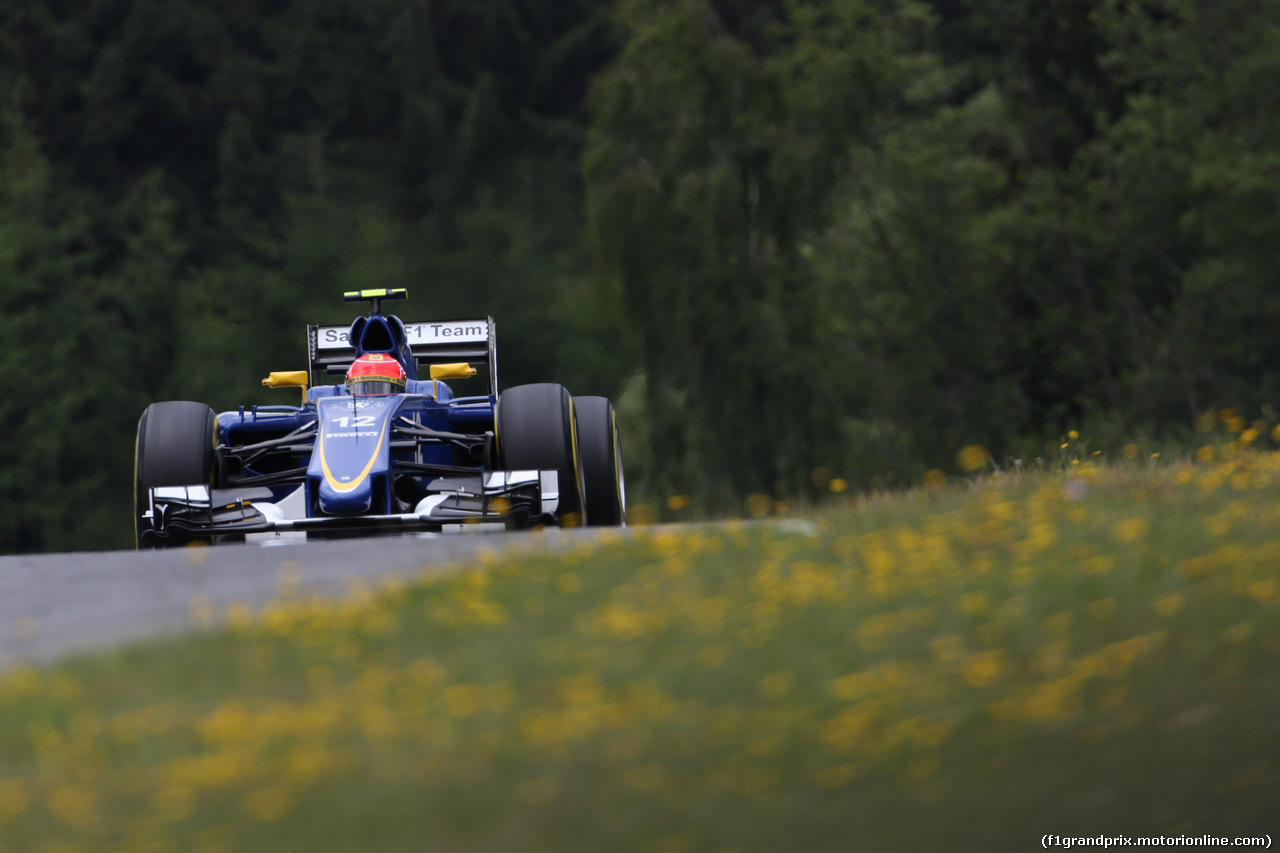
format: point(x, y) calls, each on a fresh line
point(55, 605)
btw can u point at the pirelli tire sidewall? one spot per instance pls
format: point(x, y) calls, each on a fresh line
point(598, 446)
point(175, 447)
point(537, 430)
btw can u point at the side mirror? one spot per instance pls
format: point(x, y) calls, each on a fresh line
point(461, 370)
point(288, 379)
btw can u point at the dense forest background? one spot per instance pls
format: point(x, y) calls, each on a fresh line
point(793, 239)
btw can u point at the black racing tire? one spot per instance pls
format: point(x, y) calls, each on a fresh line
point(603, 484)
point(536, 429)
point(174, 448)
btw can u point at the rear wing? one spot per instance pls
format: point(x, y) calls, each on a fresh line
point(330, 351)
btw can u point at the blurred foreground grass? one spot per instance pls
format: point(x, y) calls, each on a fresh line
point(966, 668)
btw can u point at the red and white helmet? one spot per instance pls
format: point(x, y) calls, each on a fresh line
point(375, 373)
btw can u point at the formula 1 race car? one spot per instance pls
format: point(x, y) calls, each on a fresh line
point(384, 452)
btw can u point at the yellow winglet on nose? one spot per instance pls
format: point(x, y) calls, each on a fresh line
point(288, 379)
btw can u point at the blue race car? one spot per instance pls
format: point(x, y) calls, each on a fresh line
point(386, 451)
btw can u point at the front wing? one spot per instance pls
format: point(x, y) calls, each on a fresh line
point(180, 514)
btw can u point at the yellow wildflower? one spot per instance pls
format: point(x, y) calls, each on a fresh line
point(74, 804)
point(1053, 700)
point(1130, 529)
point(972, 458)
point(1102, 608)
point(1170, 604)
point(984, 668)
point(836, 777)
point(269, 804)
point(843, 733)
point(174, 803)
point(1238, 633)
point(13, 799)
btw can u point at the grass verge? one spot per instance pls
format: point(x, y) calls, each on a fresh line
point(967, 668)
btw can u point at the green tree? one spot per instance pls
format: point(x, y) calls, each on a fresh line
point(79, 338)
point(714, 142)
point(1193, 186)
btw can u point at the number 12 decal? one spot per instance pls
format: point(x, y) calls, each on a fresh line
point(357, 422)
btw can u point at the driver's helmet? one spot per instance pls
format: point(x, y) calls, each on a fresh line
point(375, 373)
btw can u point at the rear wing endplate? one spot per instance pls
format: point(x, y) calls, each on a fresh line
point(330, 352)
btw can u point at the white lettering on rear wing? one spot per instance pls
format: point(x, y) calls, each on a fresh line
point(417, 334)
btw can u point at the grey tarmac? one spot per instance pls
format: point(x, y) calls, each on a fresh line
point(55, 605)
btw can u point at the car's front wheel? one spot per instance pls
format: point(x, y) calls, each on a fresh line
point(174, 448)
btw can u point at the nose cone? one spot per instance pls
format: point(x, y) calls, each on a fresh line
point(352, 452)
point(353, 502)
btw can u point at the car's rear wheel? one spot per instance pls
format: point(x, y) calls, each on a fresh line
point(603, 484)
point(174, 448)
point(536, 429)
